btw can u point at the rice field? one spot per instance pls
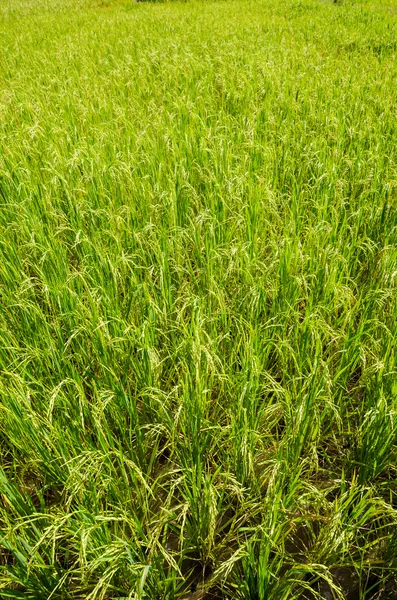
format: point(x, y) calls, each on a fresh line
point(198, 300)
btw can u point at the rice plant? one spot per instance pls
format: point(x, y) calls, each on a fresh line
point(198, 316)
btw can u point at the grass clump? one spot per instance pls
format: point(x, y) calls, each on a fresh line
point(198, 300)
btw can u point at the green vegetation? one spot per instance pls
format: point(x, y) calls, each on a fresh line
point(198, 318)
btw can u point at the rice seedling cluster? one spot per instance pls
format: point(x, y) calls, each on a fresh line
point(198, 300)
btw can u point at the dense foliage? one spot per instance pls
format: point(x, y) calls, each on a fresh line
point(198, 318)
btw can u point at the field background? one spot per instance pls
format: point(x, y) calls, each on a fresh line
point(198, 300)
